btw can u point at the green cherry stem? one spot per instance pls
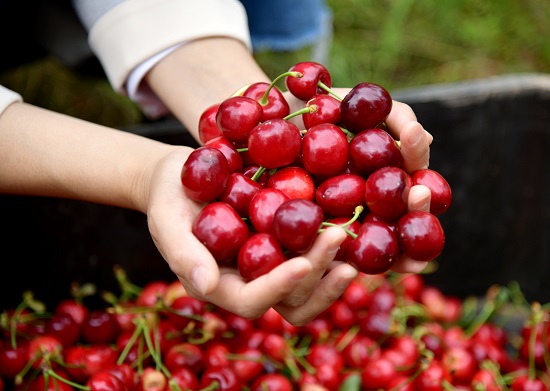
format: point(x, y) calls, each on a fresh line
point(356, 213)
point(329, 90)
point(263, 101)
point(304, 110)
point(258, 174)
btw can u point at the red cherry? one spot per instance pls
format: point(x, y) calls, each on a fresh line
point(184, 309)
point(307, 85)
point(225, 377)
point(126, 374)
point(340, 195)
point(217, 355)
point(325, 354)
point(485, 380)
point(50, 383)
point(44, 346)
point(238, 193)
point(234, 159)
point(263, 207)
point(525, 383)
point(64, 328)
point(276, 347)
point(274, 143)
point(248, 364)
point(204, 174)
point(86, 360)
point(441, 193)
point(100, 327)
point(325, 150)
point(296, 224)
point(151, 293)
point(372, 149)
point(185, 378)
point(420, 235)
point(78, 311)
point(105, 381)
point(296, 182)
point(208, 128)
point(237, 116)
point(185, 354)
point(432, 377)
point(13, 359)
point(250, 172)
point(366, 106)
point(260, 254)
point(357, 295)
point(221, 230)
point(327, 110)
point(361, 350)
point(460, 363)
point(353, 227)
point(378, 373)
point(374, 250)
point(387, 191)
point(275, 106)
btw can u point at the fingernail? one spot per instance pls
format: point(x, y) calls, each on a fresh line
point(199, 279)
point(348, 277)
point(417, 135)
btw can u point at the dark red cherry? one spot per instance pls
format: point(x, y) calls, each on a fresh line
point(101, 327)
point(353, 227)
point(234, 159)
point(295, 182)
point(326, 109)
point(208, 128)
point(341, 194)
point(237, 116)
point(204, 174)
point(439, 188)
point(366, 106)
point(307, 85)
point(238, 192)
point(296, 224)
point(263, 207)
point(387, 192)
point(184, 309)
point(221, 230)
point(374, 250)
point(225, 377)
point(372, 149)
point(420, 235)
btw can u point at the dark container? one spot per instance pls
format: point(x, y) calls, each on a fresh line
point(491, 142)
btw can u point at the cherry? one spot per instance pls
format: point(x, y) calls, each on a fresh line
point(387, 191)
point(366, 106)
point(221, 230)
point(65, 328)
point(137, 353)
point(326, 376)
point(432, 378)
point(250, 172)
point(325, 150)
point(326, 110)
point(361, 350)
point(185, 354)
point(325, 354)
point(83, 361)
point(357, 295)
point(185, 378)
point(248, 364)
point(372, 149)
point(237, 116)
point(151, 293)
point(374, 250)
point(274, 143)
point(184, 310)
point(340, 195)
point(272, 382)
point(460, 363)
point(208, 127)
point(484, 379)
point(420, 235)
point(100, 327)
point(296, 182)
point(126, 374)
point(350, 227)
point(44, 348)
point(378, 373)
point(276, 347)
point(234, 159)
point(307, 85)
point(238, 192)
point(263, 206)
point(318, 329)
point(260, 254)
point(296, 224)
point(342, 315)
point(51, 383)
point(216, 355)
point(77, 310)
point(441, 193)
point(275, 104)
point(225, 377)
point(13, 359)
point(204, 174)
point(525, 383)
point(105, 381)
point(152, 380)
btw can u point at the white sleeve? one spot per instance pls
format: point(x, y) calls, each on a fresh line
point(7, 97)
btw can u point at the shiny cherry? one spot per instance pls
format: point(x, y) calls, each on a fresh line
point(260, 254)
point(272, 382)
point(366, 106)
point(296, 224)
point(237, 116)
point(208, 128)
point(100, 327)
point(274, 143)
point(274, 105)
point(184, 309)
point(353, 228)
point(325, 150)
point(420, 235)
point(105, 381)
point(387, 192)
point(234, 159)
point(326, 109)
point(225, 377)
point(263, 207)
point(204, 174)
point(441, 193)
point(221, 230)
point(239, 191)
point(295, 182)
point(372, 149)
point(306, 85)
point(340, 195)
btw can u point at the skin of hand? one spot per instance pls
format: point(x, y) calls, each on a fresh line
point(207, 72)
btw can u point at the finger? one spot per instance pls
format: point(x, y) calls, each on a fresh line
point(321, 255)
point(252, 299)
point(408, 265)
point(419, 198)
point(328, 289)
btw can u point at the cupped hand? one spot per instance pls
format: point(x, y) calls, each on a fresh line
point(297, 282)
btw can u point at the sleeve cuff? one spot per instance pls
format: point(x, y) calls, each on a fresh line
point(7, 97)
point(136, 31)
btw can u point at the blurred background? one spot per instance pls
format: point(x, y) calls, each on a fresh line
point(491, 139)
point(395, 43)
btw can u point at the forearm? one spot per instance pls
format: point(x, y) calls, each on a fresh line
point(201, 73)
point(50, 154)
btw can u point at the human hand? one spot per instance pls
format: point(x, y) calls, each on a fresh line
point(295, 288)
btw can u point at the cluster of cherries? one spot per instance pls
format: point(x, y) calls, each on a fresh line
point(271, 187)
point(388, 332)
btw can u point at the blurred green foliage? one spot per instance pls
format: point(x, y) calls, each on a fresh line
point(395, 43)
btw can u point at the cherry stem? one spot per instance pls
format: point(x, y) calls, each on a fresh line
point(356, 213)
point(329, 90)
point(51, 373)
point(263, 101)
point(536, 319)
point(258, 174)
point(241, 150)
point(347, 133)
point(304, 110)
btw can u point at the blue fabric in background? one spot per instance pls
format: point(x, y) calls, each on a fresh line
point(288, 25)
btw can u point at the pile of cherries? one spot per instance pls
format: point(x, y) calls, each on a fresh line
point(270, 187)
point(386, 332)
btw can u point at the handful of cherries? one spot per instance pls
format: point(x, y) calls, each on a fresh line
point(270, 187)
